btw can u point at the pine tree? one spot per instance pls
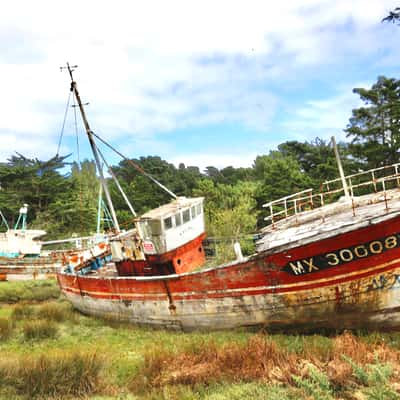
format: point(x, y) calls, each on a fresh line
point(375, 128)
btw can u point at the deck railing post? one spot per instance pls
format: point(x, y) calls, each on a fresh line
point(272, 215)
point(384, 194)
point(374, 181)
point(351, 188)
point(295, 210)
point(322, 205)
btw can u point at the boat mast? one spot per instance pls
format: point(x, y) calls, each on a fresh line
point(4, 220)
point(92, 143)
point(339, 163)
point(22, 217)
point(99, 209)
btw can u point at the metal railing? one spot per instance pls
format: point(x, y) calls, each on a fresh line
point(377, 180)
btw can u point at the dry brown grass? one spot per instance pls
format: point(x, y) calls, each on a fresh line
point(260, 359)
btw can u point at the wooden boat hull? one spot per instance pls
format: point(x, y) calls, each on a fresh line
point(347, 281)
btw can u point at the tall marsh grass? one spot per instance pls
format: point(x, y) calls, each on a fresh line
point(14, 292)
point(22, 311)
point(55, 374)
point(58, 312)
point(52, 311)
point(39, 329)
point(6, 328)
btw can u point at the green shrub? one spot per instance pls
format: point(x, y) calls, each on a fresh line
point(359, 372)
point(376, 378)
point(316, 384)
point(379, 384)
point(39, 329)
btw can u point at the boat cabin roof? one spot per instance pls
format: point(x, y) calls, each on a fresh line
point(172, 208)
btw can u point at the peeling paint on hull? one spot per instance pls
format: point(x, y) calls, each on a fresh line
point(347, 281)
point(365, 308)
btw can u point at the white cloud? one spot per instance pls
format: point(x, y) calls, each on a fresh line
point(24, 144)
point(153, 67)
point(325, 117)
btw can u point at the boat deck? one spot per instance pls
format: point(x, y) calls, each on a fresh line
point(329, 220)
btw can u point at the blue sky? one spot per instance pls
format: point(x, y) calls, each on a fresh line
point(199, 82)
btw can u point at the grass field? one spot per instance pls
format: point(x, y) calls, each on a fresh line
point(47, 350)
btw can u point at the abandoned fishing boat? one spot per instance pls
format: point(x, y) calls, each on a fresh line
point(20, 252)
point(326, 260)
point(20, 241)
point(22, 256)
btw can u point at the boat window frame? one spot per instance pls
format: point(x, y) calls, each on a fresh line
point(170, 224)
point(184, 214)
point(178, 219)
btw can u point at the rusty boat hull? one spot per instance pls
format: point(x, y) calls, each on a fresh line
point(29, 269)
point(347, 279)
point(47, 266)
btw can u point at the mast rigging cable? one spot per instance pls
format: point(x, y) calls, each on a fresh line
point(136, 166)
point(63, 124)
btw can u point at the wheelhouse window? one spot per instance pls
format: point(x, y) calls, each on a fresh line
point(178, 219)
point(186, 216)
point(168, 223)
point(193, 212)
point(155, 226)
point(198, 207)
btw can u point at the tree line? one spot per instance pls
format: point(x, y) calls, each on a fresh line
point(66, 203)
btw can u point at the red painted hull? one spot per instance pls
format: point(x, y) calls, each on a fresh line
point(351, 280)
